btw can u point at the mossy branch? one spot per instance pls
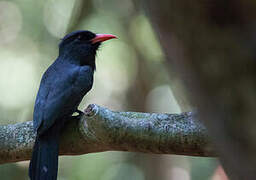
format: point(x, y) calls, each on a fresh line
point(101, 129)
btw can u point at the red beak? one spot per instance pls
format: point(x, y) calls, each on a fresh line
point(102, 37)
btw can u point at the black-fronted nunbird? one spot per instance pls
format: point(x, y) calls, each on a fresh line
point(62, 88)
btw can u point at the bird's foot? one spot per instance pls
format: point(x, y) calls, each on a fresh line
point(80, 113)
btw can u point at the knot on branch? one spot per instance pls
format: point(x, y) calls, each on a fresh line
point(91, 110)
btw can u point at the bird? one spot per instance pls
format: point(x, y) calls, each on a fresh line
point(62, 88)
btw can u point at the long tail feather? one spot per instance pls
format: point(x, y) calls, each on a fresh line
point(44, 162)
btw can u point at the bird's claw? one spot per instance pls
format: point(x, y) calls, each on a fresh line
point(80, 113)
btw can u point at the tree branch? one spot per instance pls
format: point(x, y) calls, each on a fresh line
point(103, 130)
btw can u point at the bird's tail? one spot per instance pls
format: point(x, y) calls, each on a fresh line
point(44, 161)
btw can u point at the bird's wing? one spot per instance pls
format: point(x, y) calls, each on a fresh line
point(60, 92)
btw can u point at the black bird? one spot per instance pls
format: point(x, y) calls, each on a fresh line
point(62, 88)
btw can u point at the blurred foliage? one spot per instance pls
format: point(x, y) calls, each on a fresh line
point(131, 75)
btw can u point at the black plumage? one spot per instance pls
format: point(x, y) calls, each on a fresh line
point(62, 88)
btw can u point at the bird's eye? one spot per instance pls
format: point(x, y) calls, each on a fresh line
point(79, 37)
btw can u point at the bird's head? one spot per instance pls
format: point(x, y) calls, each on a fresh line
point(80, 47)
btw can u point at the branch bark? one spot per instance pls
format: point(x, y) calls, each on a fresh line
point(101, 129)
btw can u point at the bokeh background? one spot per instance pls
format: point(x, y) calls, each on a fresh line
point(131, 76)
